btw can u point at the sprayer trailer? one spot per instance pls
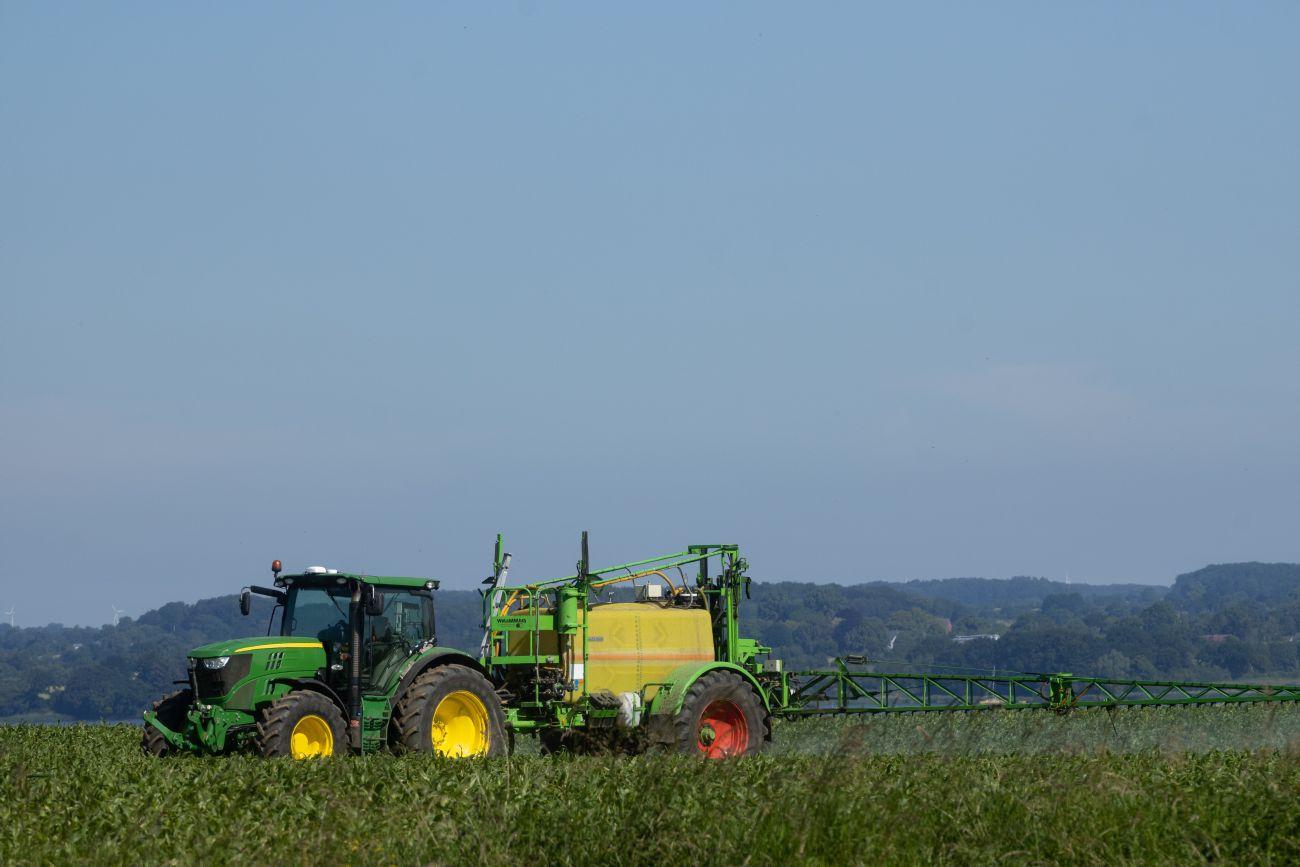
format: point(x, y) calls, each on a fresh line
point(632, 656)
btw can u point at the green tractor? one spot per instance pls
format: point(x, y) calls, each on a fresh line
point(356, 667)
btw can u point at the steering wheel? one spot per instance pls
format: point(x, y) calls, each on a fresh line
point(337, 631)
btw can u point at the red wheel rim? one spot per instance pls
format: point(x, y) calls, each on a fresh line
point(722, 731)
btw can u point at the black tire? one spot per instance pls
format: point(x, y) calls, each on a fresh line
point(170, 710)
point(319, 724)
point(721, 716)
point(475, 727)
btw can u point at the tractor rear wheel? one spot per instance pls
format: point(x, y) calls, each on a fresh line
point(721, 716)
point(170, 710)
point(302, 725)
point(451, 710)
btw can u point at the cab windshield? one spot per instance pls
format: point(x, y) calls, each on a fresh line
point(317, 612)
point(322, 613)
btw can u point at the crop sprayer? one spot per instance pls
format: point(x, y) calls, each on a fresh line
point(630, 656)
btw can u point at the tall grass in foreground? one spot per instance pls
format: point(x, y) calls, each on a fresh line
point(956, 790)
point(1124, 730)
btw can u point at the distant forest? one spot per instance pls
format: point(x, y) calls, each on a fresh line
point(1229, 622)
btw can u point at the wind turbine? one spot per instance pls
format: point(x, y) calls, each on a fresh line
point(117, 612)
point(10, 615)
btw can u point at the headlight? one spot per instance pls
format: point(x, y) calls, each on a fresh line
point(216, 662)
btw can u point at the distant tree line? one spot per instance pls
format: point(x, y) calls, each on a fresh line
point(1228, 622)
point(1223, 622)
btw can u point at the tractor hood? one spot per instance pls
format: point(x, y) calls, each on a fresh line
point(231, 646)
point(229, 672)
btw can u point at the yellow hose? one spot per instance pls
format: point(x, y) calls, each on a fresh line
point(671, 586)
point(506, 608)
point(667, 580)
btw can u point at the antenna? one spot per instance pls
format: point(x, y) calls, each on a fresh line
point(10, 615)
point(117, 612)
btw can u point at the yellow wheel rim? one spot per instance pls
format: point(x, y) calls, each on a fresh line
point(460, 725)
point(311, 738)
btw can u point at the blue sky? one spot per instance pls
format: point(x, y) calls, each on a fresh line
point(877, 292)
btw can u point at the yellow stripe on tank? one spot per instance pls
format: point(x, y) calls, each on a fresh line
point(685, 656)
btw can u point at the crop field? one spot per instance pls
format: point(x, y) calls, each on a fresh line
point(1168, 786)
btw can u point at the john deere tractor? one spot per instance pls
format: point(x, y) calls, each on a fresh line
point(355, 667)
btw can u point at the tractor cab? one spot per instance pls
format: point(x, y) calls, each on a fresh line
point(392, 618)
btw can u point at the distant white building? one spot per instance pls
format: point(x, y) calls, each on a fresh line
point(961, 639)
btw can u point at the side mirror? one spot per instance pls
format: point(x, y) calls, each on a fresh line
point(245, 601)
point(374, 602)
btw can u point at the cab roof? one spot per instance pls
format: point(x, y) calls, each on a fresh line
point(332, 576)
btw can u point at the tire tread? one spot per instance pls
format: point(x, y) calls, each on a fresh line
point(171, 710)
point(410, 716)
point(715, 685)
point(275, 722)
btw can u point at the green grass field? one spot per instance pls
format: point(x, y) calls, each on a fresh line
point(1171, 786)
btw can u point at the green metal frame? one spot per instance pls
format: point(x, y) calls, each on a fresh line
point(843, 690)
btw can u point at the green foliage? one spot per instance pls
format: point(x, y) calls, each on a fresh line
point(113, 672)
point(1232, 630)
point(1128, 731)
point(82, 794)
point(1224, 585)
point(1023, 593)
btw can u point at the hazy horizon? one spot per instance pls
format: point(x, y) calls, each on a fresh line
point(234, 589)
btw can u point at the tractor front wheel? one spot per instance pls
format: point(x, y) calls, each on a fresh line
point(170, 710)
point(451, 710)
point(302, 725)
point(721, 716)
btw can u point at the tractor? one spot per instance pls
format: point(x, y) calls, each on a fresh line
point(356, 667)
